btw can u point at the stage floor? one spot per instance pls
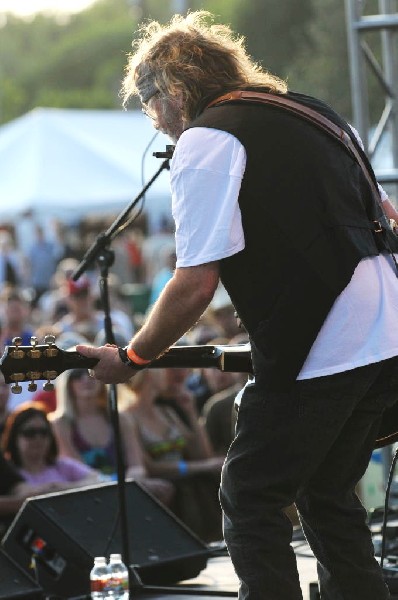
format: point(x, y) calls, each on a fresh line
point(219, 574)
point(218, 580)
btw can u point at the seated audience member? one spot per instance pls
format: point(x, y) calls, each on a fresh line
point(177, 450)
point(121, 309)
point(222, 313)
point(182, 382)
point(201, 335)
point(218, 413)
point(153, 248)
point(163, 274)
point(15, 314)
point(14, 491)
point(84, 431)
point(65, 341)
point(82, 317)
point(29, 443)
point(175, 391)
point(43, 257)
point(53, 303)
point(11, 261)
point(4, 408)
point(219, 418)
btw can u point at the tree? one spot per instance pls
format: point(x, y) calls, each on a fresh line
point(76, 64)
point(79, 62)
point(322, 69)
point(277, 31)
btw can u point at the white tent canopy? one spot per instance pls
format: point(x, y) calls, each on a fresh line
point(72, 163)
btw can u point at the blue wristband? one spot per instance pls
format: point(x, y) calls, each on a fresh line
point(182, 467)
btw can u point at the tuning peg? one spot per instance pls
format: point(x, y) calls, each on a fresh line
point(34, 353)
point(51, 350)
point(48, 386)
point(16, 388)
point(32, 375)
point(17, 341)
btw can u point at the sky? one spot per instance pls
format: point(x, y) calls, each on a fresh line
point(29, 7)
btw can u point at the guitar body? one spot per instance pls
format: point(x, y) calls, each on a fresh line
point(47, 361)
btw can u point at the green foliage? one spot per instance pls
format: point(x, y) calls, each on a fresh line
point(13, 98)
point(276, 31)
point(98, 98)
point(78, 62)
point(21, 50)
point(81, 56)
point(75, 64)
point(322, 69)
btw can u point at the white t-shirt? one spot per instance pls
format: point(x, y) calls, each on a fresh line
point(206, 173)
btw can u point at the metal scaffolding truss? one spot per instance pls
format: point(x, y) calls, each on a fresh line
point(385, 69)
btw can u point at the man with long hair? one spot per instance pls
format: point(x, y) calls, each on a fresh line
point(285, 216)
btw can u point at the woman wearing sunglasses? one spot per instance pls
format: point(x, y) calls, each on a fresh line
point(29, 443)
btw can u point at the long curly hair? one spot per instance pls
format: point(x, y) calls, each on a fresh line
point(196, 58)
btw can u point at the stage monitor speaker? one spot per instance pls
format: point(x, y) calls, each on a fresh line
point(15, 583)
point(66, 530)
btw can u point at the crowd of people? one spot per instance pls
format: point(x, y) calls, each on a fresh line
point(63, 438)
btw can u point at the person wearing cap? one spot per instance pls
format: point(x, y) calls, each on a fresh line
point(83, 318)
point(284, 215)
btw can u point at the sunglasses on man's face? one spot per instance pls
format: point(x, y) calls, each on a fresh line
point(32, 432)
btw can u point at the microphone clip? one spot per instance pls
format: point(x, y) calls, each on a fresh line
point(168, 154)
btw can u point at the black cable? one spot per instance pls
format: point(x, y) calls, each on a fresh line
point(112, 533)
point(135, 216)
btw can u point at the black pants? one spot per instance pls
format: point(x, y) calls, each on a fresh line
point(310, 446)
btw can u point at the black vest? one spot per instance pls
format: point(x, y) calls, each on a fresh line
point(307, 215)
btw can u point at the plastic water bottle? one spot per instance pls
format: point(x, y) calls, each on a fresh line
point(119, 578)
point(100, 579)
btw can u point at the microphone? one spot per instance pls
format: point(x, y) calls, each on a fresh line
point(168, 154)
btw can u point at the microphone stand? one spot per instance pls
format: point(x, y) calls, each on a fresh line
point(101, 253)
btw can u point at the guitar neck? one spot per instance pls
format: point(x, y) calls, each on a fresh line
point(231, 359)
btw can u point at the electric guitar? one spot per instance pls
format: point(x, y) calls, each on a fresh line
point(46, 362)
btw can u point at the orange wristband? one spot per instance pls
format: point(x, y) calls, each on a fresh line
point(133, 356)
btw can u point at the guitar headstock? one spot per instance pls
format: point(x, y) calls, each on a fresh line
point(38, 362)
